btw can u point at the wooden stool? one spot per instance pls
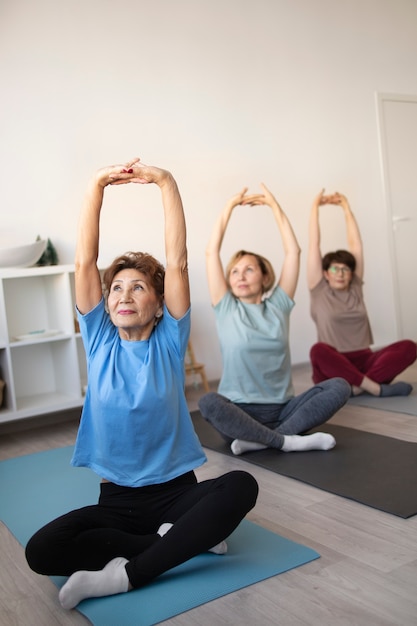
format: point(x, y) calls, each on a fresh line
point(192, 367)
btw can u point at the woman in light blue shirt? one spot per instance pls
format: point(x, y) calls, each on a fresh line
point(255, 406)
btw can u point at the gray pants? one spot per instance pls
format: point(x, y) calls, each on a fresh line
point(267, 423)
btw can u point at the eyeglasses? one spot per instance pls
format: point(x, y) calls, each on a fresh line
point(335, 269)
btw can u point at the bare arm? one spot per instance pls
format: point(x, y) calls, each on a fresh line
point(314, 255)
point(353, 234)
point(291, 267)
point(177, 288)
point(87, 278)
point(215, 271)
point(88, 291)
point(352, 229)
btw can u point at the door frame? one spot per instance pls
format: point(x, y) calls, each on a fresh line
point(380, 99)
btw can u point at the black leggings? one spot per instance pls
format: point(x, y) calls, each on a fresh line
point(125, 523)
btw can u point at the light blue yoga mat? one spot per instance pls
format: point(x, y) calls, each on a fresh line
point(35, 489)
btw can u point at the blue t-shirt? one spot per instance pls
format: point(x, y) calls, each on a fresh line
point(254, 342)
point(135, 427)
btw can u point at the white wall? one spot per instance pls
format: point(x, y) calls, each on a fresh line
point(225, 94)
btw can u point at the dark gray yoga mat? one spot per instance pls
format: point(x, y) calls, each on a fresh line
point(374, 470)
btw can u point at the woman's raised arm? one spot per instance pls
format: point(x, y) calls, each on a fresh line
point(291, 266)
point(314, 255)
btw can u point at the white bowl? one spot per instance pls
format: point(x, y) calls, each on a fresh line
point(22, 256)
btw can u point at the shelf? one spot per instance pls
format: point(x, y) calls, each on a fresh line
point(44, 372)
point(36, 342)
point(30, 406)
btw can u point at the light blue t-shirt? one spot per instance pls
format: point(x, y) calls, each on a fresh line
point(254, 342)
point(135, 427)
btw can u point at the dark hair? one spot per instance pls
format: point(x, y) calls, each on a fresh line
point(265, 266)
point(339, 256)
point(141, 261)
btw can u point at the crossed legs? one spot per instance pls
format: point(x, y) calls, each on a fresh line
point(256, 426)
point(366, 370)
point(115, 546)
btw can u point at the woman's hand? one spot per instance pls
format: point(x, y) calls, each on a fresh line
point(147, 174)
point(238, 198)
point(320, 199)
point(132, 172)
point(267, 197)
point(255, 199)
point(115, 174)
point(337, 199)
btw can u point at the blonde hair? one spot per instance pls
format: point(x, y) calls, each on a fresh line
point(264, 265)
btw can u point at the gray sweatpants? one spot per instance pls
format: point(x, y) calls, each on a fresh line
point(267, 423)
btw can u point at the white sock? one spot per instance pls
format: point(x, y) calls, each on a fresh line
point(108, 581)
point(301, 443)
point(239, 446)
point(220, 548)
point(164, 528)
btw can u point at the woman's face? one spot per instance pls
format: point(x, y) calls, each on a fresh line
point(133, 305)
point(339, 276)
point(246, 280)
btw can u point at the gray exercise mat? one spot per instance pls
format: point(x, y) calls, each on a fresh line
point(395, 404)
point(374, 470)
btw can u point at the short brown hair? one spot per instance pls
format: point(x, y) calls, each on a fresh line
point(140, 261)
point(265, 266)
point(339, 256)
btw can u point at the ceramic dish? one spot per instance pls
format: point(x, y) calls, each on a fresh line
point(22, 256)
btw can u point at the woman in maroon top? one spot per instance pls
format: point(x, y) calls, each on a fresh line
point(338, 310)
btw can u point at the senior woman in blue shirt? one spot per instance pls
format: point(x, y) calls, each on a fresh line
point(136, 432)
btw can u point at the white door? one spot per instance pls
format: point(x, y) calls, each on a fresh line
point(398, 134)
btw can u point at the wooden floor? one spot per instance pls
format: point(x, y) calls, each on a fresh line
point(366, 576)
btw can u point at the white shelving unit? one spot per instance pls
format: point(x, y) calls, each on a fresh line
point(42, 358)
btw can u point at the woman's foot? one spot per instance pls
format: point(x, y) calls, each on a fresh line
point(395, 389)
point(240, 446)
point(292, 443)
point(108, 581)
point(380, 390)
point(220, 548)
point(302, 443)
